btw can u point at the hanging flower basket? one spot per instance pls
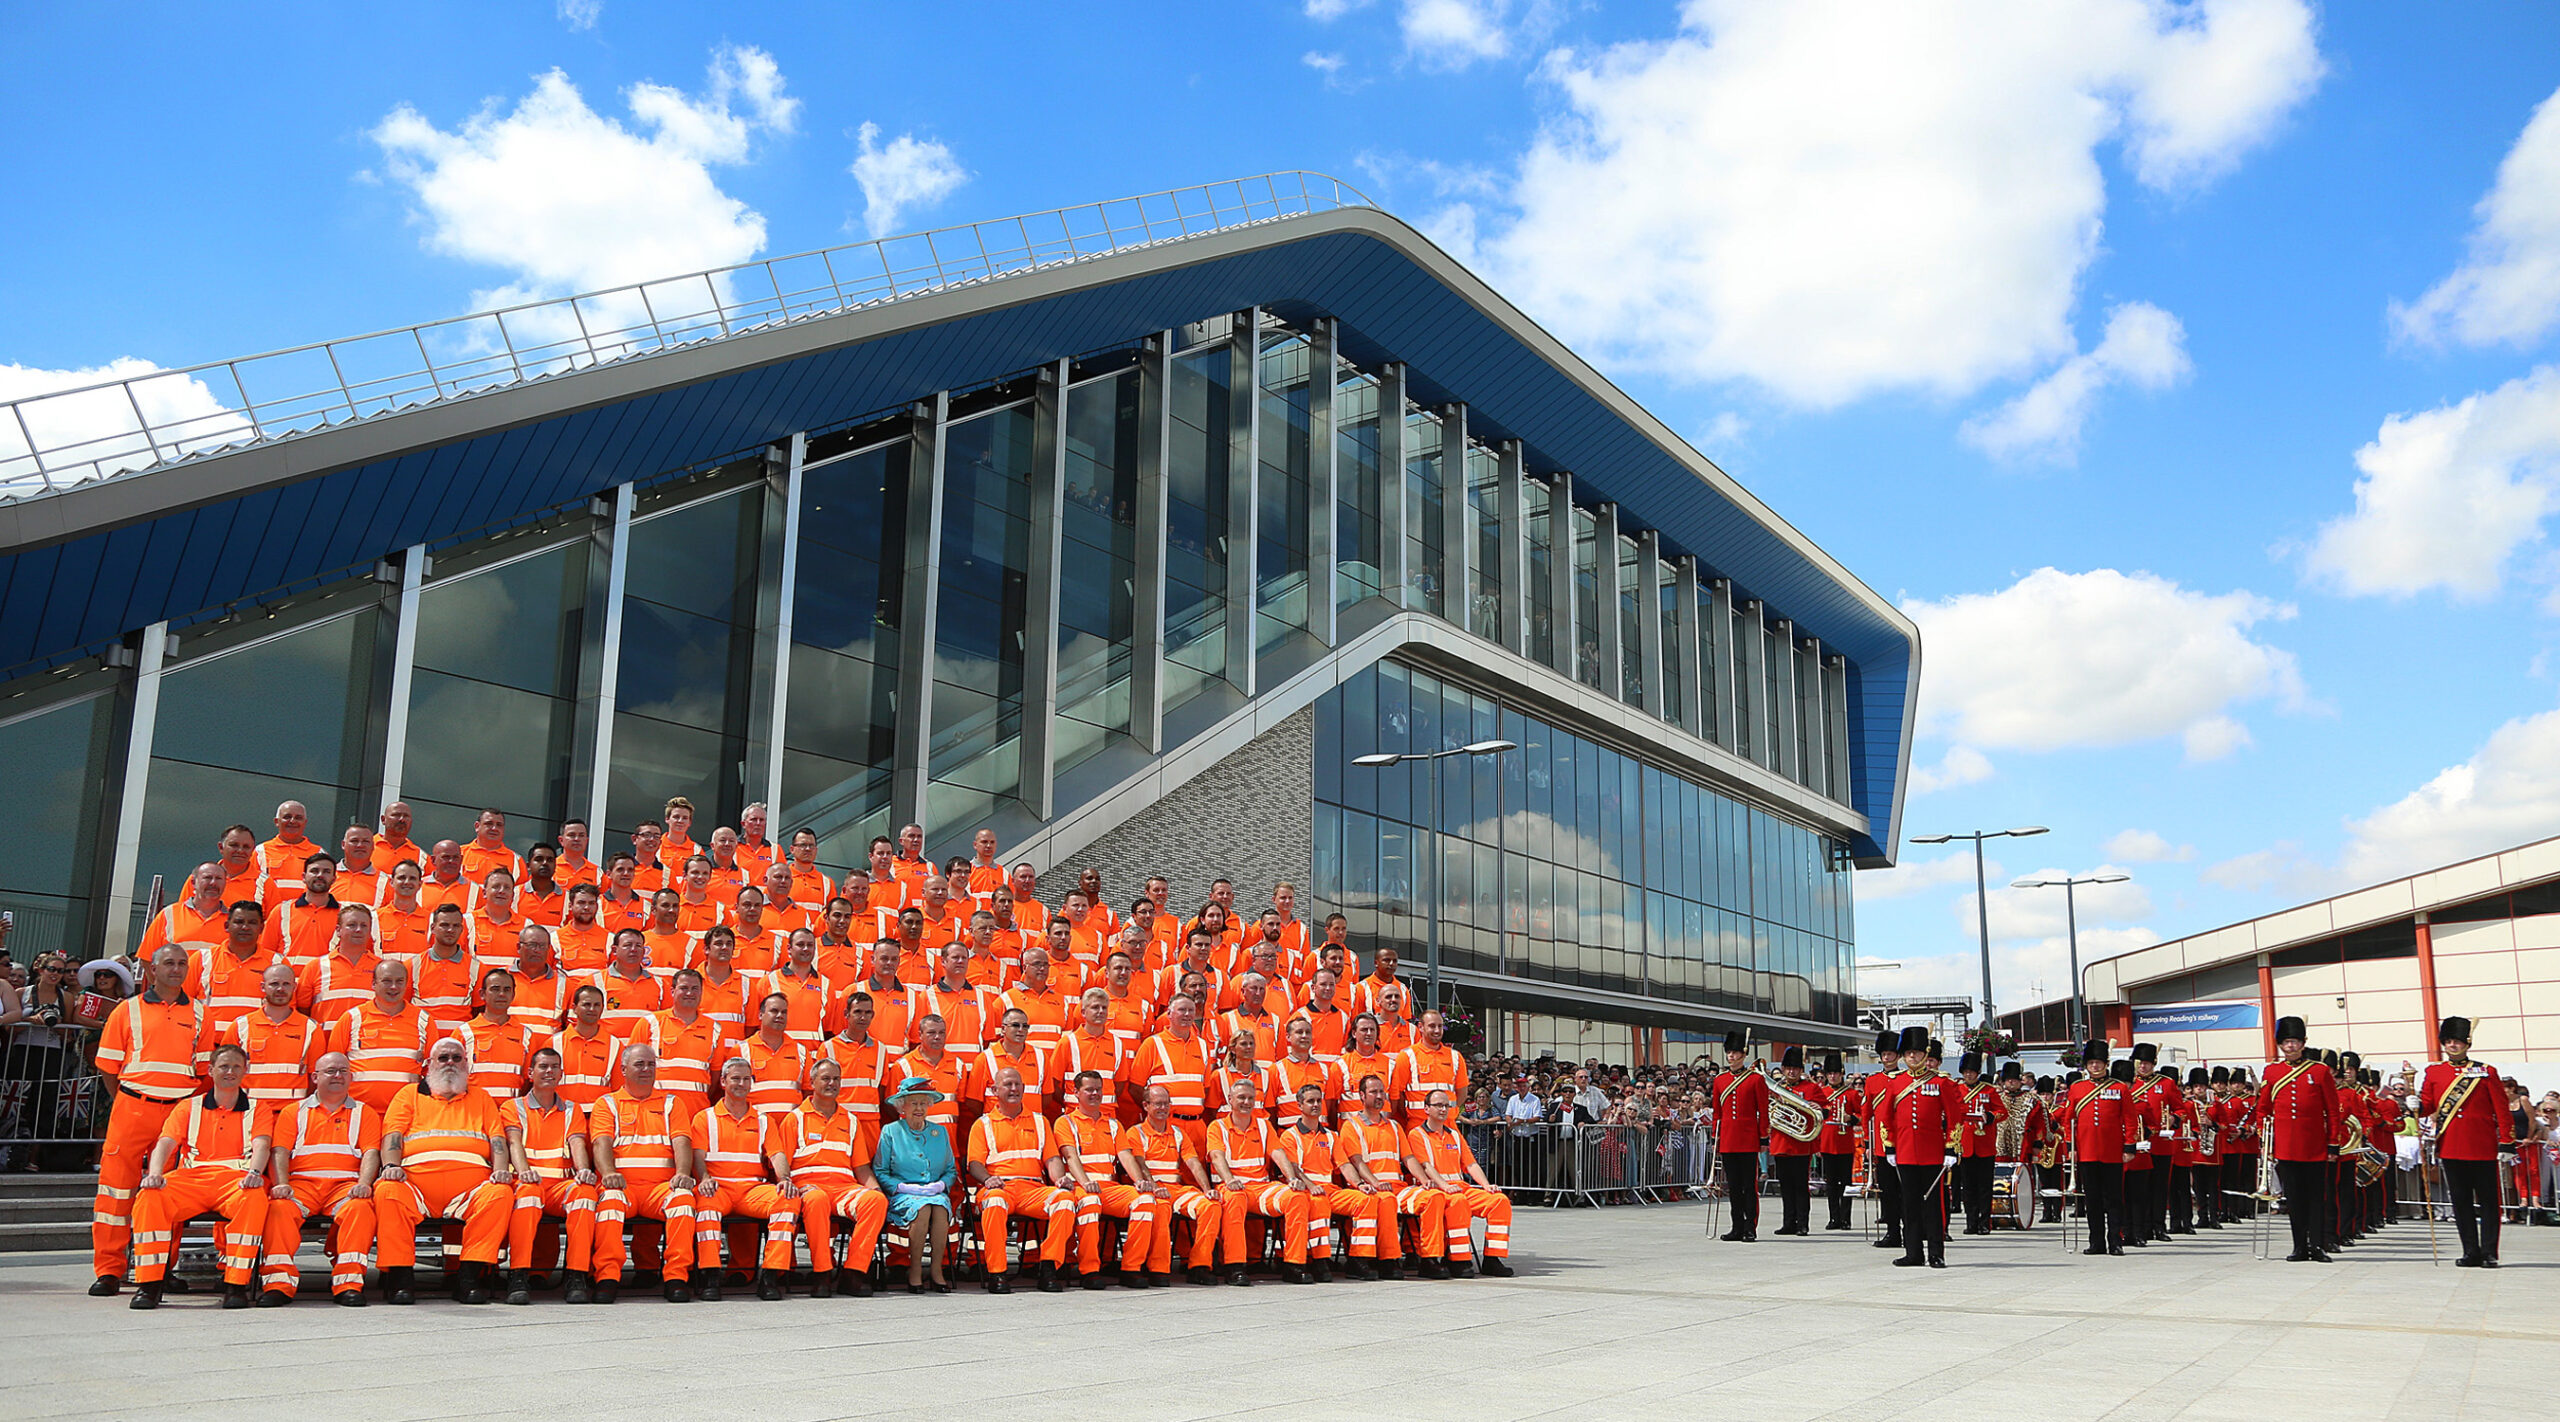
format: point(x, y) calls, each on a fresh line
point(1990, 1042)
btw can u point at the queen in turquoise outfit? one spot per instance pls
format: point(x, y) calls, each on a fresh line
point(915, 1167)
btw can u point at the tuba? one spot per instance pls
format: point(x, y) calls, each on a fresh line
point(1793, 1116)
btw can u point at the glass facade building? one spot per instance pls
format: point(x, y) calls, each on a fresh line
point(1043, 598)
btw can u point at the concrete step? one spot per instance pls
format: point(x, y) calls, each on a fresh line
point(63, 1211)
point(19, 1237)
point(17, 1185)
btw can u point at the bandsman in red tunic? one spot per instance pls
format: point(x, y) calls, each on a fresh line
point(2097, 1127)
point(2469, 1106)
point(1880, 1086)
point(1922, 1118)
point(1740, 1099)
point(2298, 1104)
point(1842, 1113)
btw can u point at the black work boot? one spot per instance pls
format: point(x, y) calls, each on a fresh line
point(1048, 1276)
point(579, 1288)
point(519, 1287)
point(146, 1296)
point(466, 1284)
point(236, 1296)
point(768, 1285)
point(400, 1284)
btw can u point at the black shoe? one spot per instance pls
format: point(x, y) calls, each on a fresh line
point(1364, 1271)
point(1160, 1280)
point(580, 1288)
point(400, 1285)
point(2116, 1249)
point(1889, 1241)
point(607, 1290)
point(235, 1296)
point(519, 1287)
point(1938, 1263)
point(106, 1286)
point(1294, 1274)
point(707, 1288)
point(172, 1284)
point(1237, 1278)
point(2317, 1257)
point(349, 1298)
point(1496, 1267)
point(856, 1283)
point(1393, 1273)
point(1133, 1278)
point(1837, 1224)
point(1048, 1277)
point(2489, 1263)
point(1463, 1269)
point(677, 1291)
point(2138, 1243)
point(466, 1284)
point(1431, 1269)
point(1731, 1236)
point(2466, 1262)
point(1905, 1261)
point(999, 1284)
point(822, 1284)
point(145, 1296)
point(2095, 1249)
point(274, 1298)
point(937, 1286)
point(1321, 1271)
point(1095, 1281)
point(768, 1285)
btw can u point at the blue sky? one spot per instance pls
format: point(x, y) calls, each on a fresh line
point(2187, 370)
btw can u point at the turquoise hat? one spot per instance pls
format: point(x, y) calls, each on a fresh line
point(915, 1086)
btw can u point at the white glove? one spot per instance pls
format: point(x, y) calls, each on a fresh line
point(1951, 1160)
point(919, 1187)
point(1889, 1160)
point(2142, 1146)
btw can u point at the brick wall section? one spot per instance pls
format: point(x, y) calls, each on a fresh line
point(1249, 818)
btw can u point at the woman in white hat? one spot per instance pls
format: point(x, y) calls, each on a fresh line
point(914, 1165)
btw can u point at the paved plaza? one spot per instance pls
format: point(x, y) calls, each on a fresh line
point(1629, 1312)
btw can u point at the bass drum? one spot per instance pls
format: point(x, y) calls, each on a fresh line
point(2013, 1196)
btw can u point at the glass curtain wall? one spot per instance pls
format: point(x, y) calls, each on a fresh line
point(1634, 684)
point(1675, 658)
point(1097, 571)
point(688, 653)
point(56, 739)
point(1195, 595)
point(1747, 737)
point(1285, 445)
point(1484, 504)
point(1586, 598)
point(840, 727)
point(248, 720)
point(1568, 862)
point(975, 757)
point(1359, 542)
point(1423, 522)
point(1710, 704)
point(493, 701)
point(1535, 501)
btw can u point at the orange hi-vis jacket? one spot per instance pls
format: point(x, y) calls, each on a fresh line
point(1012, 1147)
point(478, 860)
point(670, 948)
point(385, 1048)
point(225, 985)
point(542, 1004)
point(281, 1054)
point(978, 1084)
point(388, 856)
point(298, 932)
point(434, 1131)
point(629, 1001)
point(278, 865)
point(538, 907)
point(435, 893)
point(1094, 1142)
point(689, 1054)
point(824, 1150)
point(945, 1077)
point(581, 947)
point(1047, 1011)
point(811, 885)
point(1331, 1029)
point(1248, 1149)
point(730, 1001)
point(1446, 1150)
point(893, 1013)
point(1128, 1016)
point(445, 988)
point(546, 1132)
point(731, 1149)
point(642, 1132)
point(697, 919)
point(1310, 1150)
point(1180, 1067)
point(1378, 1146)
point(782, 1073)
point(1082, 1051)
point(1428, 1069)
point(402, 932)
point(153, 1049)
point(208, 1135)
point(964, 1011)
point(317, 1143)
point(808, 1023)
point(1162, 1153)
point(332, 983)
point(589, 1066)
point(1280, 1083)
point(759, 948)
point(500, 1052)
point(863, 1066)
point(1352, 1068)
point(179, 923)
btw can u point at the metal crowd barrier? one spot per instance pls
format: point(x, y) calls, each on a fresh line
point(53, 1104)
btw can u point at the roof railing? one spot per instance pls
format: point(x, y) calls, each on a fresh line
point(134, 424)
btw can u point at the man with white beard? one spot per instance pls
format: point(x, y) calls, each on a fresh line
point(444, 1152)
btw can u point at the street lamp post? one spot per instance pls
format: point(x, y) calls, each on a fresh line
point(1982, 895)
point(2071, 926)
point(1380, 760)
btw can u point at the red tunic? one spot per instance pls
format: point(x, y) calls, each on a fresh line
point(2099, 1121)
point(2478, 1130)
point(2300, 1107)
point(1741, 1101)
point(1922, 1117)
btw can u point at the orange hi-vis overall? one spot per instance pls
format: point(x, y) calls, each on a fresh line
point(1250, 1190)
point(1163, 1153)
point(281, 1054)
point(499, 1053)
point(1098, 1052)
point(641, 1132)
point(1094, 1143)
point(590, 1066)
point(385, 1048)
point(782, 1073)
point(152, 1049)
point(1312, 1147)
point(1182, 1069)
point(444, 988)
point(211, 1173)
point(1423, 1070)
point(689, 1055)
point(809, 1021)
point(1379, 1147)
point(1014, 1151)
point(732, 1149)
point(825, 1151)
point(550, 1185)
point(446, 1151)
point(322, 1152)
point(225, 985)
point(332, 984)
point(1451, 1156)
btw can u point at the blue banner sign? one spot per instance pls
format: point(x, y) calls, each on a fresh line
point(2195, 1017)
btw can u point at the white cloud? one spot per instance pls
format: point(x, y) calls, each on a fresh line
point(1323, 11)
point(2019, 915)
point(1836, 197)
point(906, 172)
point(1961, 765)
point(2022, 974)
point(2103, 658)
point(1452, 34)
point(1729, 427)
point(2506, 794)
point(2144, 347)
point(2508, 286)
point(580, 14)
point(98, 428)
point(1877, 885)
point(2445, 496)
point(566, 199)
point(2280, 867)
point(1321, 62)
point(2142, 846)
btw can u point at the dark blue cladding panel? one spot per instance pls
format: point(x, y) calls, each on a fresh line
point(1389, 309)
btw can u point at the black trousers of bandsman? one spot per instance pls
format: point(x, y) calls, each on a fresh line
point(1742, 1186)
point(2306, 1202)
point(1924, 1210)
point(2138, 1190)
point(2102, 1197)
point(1795, 1191)
point(1887, 1180)
point(1835, 1188)
point(2477, 1201)
point(1976, 1172)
